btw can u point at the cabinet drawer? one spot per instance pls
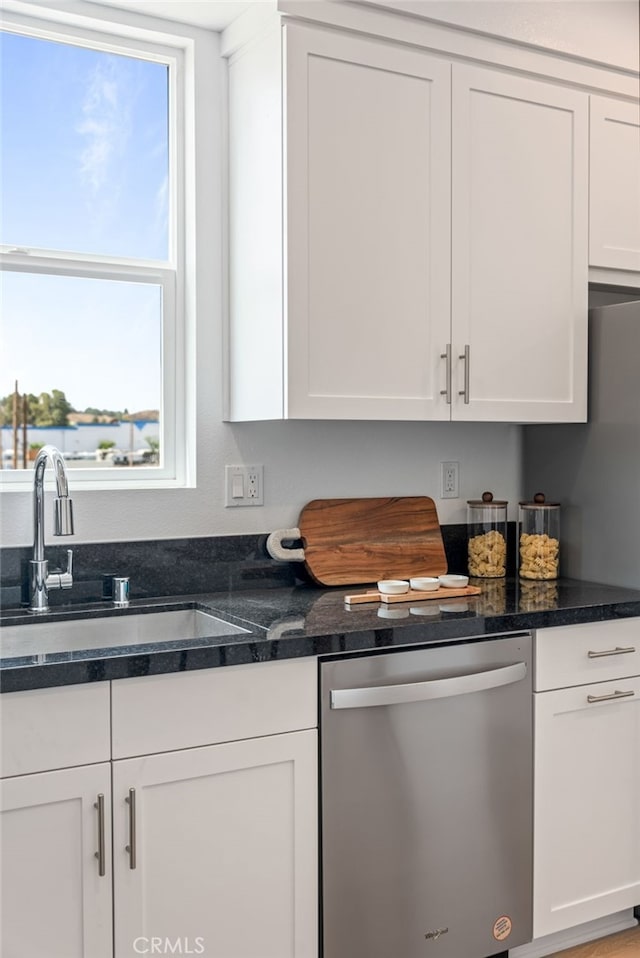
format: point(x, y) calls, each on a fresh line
point(159, 713)
point(594, 652)
point(44, 729)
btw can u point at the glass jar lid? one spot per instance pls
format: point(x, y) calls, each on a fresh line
point(539, 502)
point(488, 502)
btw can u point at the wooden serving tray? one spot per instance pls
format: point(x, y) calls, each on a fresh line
point(413, 595)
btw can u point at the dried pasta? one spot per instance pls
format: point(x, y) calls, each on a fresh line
point(538, 556)
point(488, 555)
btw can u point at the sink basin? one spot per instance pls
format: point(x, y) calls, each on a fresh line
point(110, 631)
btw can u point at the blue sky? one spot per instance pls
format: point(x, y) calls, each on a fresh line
point(84, 150)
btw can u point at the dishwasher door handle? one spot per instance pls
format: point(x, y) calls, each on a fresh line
point(423, 691)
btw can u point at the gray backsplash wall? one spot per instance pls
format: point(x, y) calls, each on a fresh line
point(559, 461)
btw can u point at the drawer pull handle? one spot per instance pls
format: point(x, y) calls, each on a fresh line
point(131, 847)
point(447, 391)
point(100, 853)
point(609, 698)
point(465, 392)
point(617, 651)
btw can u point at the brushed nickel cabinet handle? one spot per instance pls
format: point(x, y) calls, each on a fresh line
point(465, 392)
point(100, 853)
point(617, 651)
point(131, 847)
point(447, 390)
point(610, 698)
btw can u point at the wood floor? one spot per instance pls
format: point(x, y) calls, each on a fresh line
point(626, 944)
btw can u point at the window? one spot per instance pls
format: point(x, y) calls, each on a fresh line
point(91, 238)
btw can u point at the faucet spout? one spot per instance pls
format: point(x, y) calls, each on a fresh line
point(40, 581)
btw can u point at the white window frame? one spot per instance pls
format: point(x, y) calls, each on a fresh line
point(176, 418)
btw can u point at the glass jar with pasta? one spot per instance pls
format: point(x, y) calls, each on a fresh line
point(487, 537)
point(539, 539)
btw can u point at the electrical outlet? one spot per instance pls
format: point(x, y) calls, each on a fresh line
point(449, 480)
point(243, 485)
point(254, 484)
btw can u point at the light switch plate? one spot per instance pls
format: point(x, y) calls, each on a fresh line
point(243, 485)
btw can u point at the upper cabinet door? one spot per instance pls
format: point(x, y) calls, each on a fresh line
point(520, 271)
point(614, 187)
point(367, 228)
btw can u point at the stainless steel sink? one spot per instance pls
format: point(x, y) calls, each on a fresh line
point(111, 631)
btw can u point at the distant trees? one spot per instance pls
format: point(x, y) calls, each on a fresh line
point(53, 409)
point(47, 409)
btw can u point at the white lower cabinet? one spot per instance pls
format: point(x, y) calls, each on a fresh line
point(215, 816)
point(215, 848)
point(55, 903)
point(587, 792)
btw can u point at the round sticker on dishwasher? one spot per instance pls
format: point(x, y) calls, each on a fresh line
point(502, 928)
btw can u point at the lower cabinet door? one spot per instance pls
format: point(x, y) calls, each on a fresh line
point(587, 803)
point(55, 903)
point(215, 850)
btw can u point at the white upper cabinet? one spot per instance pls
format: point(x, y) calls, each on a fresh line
point(347, 202)
point(346, 314)
point(519, 290)
point(614, 195)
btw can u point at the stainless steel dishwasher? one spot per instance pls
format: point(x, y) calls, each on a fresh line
point(427, 801)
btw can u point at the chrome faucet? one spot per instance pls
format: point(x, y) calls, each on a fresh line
point(40, 579)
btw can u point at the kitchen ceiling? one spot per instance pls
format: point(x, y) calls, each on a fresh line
point(210, 14)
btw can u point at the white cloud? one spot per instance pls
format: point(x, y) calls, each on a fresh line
point(106, 123)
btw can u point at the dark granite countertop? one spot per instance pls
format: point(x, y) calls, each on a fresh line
point(303, 621)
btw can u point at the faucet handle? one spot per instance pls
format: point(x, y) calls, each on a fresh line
point(65, 576)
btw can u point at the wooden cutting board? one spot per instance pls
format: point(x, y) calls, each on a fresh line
point(351, 541)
